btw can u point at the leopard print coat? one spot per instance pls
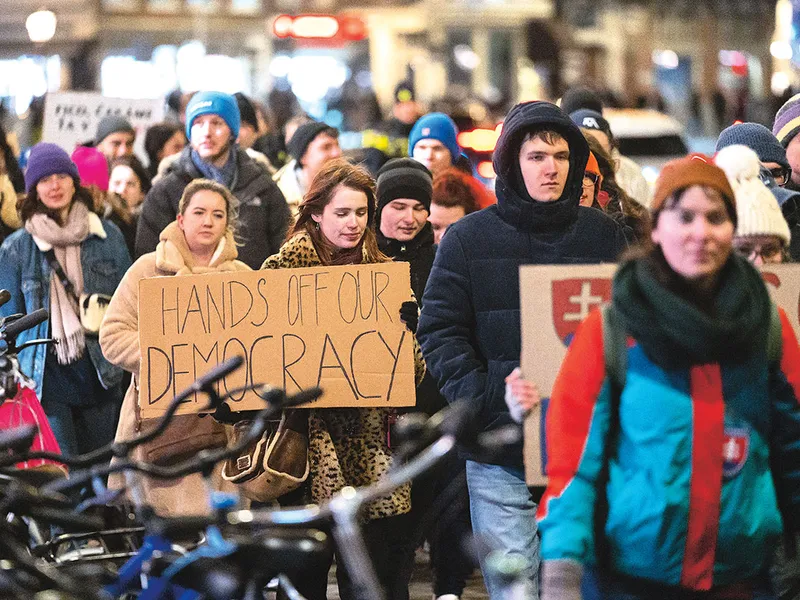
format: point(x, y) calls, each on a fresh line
point(347, 446)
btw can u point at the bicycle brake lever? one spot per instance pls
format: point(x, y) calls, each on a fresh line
point(35, 343)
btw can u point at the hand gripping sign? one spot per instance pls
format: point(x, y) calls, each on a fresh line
point(555, 299)
point(335, 327)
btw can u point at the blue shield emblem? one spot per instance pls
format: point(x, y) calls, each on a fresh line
point(735, 449)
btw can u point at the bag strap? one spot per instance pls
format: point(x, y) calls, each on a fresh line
point(615, 347)
point(615, 354)
point(50, 255)
point(774, 356)
point(774, 335)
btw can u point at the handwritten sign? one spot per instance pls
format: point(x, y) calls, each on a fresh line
point(336, 327)
point(71, 118)
point(554, 300)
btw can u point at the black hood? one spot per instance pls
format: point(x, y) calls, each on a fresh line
point(514, 203)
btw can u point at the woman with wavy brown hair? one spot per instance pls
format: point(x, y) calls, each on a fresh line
point(615, 201)
point(348, 446)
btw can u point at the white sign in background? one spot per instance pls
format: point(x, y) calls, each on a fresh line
point(71, 118)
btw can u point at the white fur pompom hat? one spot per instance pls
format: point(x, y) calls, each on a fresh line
point(757, 209)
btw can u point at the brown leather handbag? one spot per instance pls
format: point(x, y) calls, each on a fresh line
point(184, 437)
point(275, 464)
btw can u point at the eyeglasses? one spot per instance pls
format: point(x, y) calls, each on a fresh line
point(781, 175)
point(766, 251)
point(590, 179)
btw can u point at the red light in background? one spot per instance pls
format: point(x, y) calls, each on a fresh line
point(486, 170)
point(480, 140)
point(352, 28)
point(320, 27)
point(282, 26)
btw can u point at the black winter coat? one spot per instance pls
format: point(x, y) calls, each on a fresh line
point(419, 253)
point(470, 323)
point(264, 216)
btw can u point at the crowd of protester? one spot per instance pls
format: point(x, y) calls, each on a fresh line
point(643, 448)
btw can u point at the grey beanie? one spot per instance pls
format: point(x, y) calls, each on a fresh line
point(756, 137)
point(112, 124)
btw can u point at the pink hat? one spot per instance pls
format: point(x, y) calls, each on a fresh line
point(92, 167)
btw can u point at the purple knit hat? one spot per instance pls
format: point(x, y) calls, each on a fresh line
point(45, 160)
point(787, 121)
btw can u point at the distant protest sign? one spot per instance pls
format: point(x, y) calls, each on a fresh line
point(336, 327)
point(554, 300)
point(71, 118)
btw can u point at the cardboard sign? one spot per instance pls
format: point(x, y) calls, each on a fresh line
point(336, 327)
point(71, 118)
point(554, 300)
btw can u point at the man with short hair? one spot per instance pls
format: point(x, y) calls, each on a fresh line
point(114, 137)
point(311, 146)
point(212, 125)
point(404, 190)
point(433, 142)
point(470, 323)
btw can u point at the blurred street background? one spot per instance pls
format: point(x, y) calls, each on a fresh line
point(703, 63)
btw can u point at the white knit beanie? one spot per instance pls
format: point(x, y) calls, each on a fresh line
point(757, 209)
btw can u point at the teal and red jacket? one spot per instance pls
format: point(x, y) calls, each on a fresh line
point(691, 499)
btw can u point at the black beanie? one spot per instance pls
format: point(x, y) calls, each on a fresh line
point(581, 97)
point(247, 111)
point(304, 135)
point(404, 178)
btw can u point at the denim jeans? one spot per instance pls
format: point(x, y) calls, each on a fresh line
point(503, 518)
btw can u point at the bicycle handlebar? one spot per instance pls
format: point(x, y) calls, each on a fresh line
point(12, 330)
point(123, 448)
point(205, 459)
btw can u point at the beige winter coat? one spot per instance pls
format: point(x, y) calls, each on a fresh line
point(119, 340)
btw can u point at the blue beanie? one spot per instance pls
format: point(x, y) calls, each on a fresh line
point(436, 126)
point(213, 103)
point(48, 159)
point(756, 137)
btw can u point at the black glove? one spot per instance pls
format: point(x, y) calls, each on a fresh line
point(409, 314)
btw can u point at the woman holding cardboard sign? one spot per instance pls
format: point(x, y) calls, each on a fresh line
point(349, 446)
point(669, 411)
point(67, 260)
point(201, 240)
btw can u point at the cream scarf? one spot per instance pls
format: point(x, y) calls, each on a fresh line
point(65, 241)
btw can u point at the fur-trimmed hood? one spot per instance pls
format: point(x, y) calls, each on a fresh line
point(173, 254)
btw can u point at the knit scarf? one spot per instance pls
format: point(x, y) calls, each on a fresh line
point(674, 332)
point(226, 174)
point(65, 323)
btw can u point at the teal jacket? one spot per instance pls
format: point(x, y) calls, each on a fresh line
point(691, 499)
